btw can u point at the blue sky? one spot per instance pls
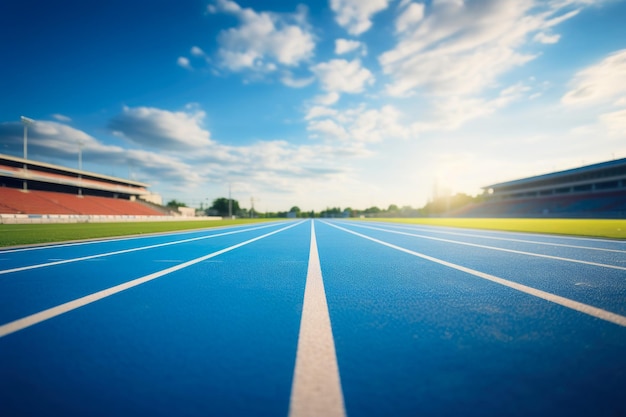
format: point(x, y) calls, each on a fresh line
point(317, 104)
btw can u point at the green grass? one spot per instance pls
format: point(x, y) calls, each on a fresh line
point(579, 227)
point(25, 234)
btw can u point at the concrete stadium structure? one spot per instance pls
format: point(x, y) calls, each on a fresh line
point(40, 191)
point(33, 175)
point(592, 191)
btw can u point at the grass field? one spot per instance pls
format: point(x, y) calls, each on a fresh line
point(25, 234)
point(578, 227)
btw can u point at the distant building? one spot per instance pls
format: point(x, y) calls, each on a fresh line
point(592, 191)
point(28, 174)
point(32, 188)
point(602, 177)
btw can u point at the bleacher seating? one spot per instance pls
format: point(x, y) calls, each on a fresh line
point(601, 204)
point(16, 201)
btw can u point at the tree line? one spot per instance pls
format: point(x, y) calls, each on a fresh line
point(438, 207)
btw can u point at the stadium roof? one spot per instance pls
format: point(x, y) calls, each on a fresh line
point(84, 174)
point(560, 174)
point(12, 169)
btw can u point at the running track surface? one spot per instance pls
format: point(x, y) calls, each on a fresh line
point(315, 318)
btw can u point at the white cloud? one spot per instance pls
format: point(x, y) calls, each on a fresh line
point(63, 135)
point(197, 51)
point(319, 111)
point(445, 75)
point(545, 38)
point(462, 47)
point(289, 80)
point(328, 129)
point(183, 62)
point(263, 40)
point(339, 75)
point(61, 118)
point(379, 125)
point(452, 112)
point(343, 46)
point(413, 14)
point(327, 99)
point(357, 125)
point(56, 141)
point(273, 164)
point(615, 123)
point(601, 82)
point(355, 15)
point(162, 129)
point(604, 85)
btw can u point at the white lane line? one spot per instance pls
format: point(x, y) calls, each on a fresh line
point(519, 252)
point(316, 389)
point(119, 239)
point(535, 242)
point(537, 234)
point(119, 252)
point(33, 319)
point(557, 299)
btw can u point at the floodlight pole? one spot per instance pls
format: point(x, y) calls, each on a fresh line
point(230, 204)
point(26, 121)
point(80, 155)
point(25, 140)
point(80, 166)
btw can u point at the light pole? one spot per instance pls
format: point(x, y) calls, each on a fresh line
point(80, 155)
point(80, 166)
point(230, 204)
point(26, 122)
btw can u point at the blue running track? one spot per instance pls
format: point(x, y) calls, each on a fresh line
point(381, 319)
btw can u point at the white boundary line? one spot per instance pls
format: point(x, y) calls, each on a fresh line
point(109, 239)
point(422, 229)
point(512, 232)
point(519, 252)
point(33, 319)
point(119, 252)
point(316, 389)
point(557, 299)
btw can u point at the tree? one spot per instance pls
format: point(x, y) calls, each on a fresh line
point(372, 210)
point(331, 212)
point(351, 212)
point(448, 204)
point(296, 212)
point(220, 206)
point(175, 204)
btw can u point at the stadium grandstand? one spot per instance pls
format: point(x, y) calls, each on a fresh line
point(592, 191)
point(35, 189)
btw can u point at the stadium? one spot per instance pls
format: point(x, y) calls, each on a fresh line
point(592, 191)
point(32, 192)
point(190, 313)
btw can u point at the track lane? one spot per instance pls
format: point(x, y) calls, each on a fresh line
point(219, 337)
point(540, 238)
point(215, 338)
point(316, 389)
point(15, 260)
point(418, 338)
point(28, 292)
point(598, 286)
point(614, 258)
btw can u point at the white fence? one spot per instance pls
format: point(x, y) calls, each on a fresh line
point(75, 218)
